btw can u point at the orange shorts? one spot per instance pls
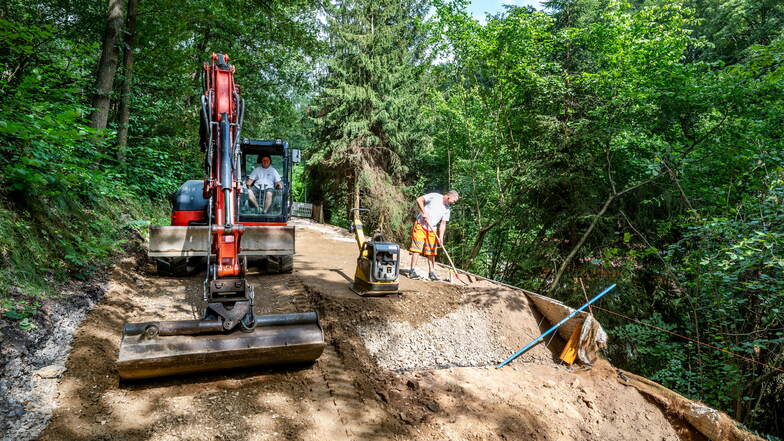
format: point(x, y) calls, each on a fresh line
point(423, 241)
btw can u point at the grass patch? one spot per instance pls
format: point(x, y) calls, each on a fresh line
point(52, 241)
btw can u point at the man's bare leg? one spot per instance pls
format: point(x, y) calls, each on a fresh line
point(267, 200)
point(252, 199)
point(414, 259)
point(431, 264)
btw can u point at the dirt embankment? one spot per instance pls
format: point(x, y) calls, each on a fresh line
point(414, 366)
point(32, 361)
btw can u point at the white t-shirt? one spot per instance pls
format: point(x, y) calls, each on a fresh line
point(264, 178)
point(435, 209)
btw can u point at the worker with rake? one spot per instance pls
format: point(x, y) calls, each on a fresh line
point(429, 229)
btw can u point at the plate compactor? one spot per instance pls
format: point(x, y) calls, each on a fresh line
point(227, 334)
point(378, 264)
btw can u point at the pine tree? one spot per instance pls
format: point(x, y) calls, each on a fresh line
point(367, 119)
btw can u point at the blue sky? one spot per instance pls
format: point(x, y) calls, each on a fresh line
point(477, 8)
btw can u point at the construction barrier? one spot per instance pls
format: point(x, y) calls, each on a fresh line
point(302, 209)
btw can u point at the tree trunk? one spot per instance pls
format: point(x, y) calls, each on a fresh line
point(107, 67)
point(577, 247)
point(615, 195)
point(356, 193)
point(125, 99)
point(478, 242)
point(352, 193)
point(497, 250)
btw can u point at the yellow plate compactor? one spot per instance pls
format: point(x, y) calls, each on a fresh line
point(378, 264)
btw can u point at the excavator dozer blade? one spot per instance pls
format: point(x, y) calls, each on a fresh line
point(158, 349)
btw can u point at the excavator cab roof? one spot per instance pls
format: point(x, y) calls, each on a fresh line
point(277, 147)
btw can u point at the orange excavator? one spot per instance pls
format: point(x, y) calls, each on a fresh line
point(222, 233)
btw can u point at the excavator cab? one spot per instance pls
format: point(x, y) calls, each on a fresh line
point(262, 201)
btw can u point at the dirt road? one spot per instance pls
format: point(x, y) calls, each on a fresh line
point(414, 366)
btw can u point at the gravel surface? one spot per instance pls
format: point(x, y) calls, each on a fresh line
point(461, 338)
point(31, 362)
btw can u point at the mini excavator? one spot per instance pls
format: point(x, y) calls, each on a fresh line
point(378, 264)
point(216, 226)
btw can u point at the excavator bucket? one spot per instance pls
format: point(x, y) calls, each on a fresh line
point(157, 349)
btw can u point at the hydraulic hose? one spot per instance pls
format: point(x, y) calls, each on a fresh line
point(240, 119)
point(226, 167)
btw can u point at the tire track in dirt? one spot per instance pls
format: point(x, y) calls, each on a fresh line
point(294, 299)
point(355, 414)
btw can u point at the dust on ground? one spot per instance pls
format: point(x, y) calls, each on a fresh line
point(395, 368)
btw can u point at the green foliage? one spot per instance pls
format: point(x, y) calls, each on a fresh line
point(366, 121)
point(20, 310)
point(67, 198)
point(642, 122)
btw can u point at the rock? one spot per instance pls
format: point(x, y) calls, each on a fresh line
point(383, 395)
point(395, 395)
point(433, 406)
point(588, 402)
point(412, 384)
point(51, 371)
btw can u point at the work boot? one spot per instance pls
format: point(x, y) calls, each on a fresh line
point(413, 274)
point(434, 277)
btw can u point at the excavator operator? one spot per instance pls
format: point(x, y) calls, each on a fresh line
point(263, 179)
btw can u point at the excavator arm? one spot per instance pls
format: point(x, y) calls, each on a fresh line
point(225, 110)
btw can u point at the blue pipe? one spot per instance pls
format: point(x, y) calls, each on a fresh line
point(549, 331)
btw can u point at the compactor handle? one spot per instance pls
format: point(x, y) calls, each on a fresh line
point(354, 220)
point(355, 226)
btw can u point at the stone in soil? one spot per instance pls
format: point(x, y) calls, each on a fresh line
point(31, 362)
